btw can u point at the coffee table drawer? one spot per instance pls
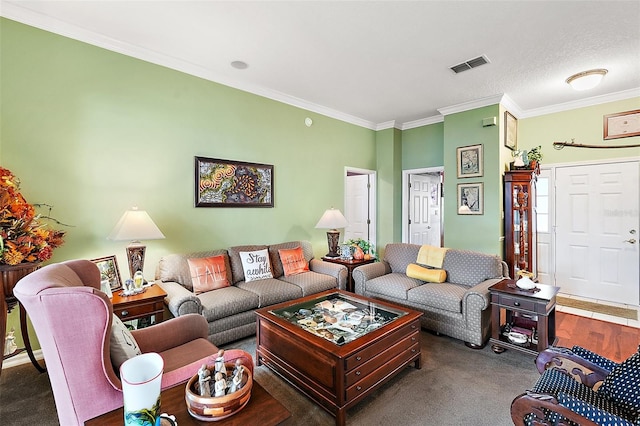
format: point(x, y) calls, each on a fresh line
point(386, 369)
point(380, 346)
point(373, 364)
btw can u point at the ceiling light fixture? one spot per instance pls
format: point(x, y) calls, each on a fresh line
point(240, 65)
point(586, 80)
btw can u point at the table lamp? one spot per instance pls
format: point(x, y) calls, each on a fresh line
point(331, 220)
point(135, 225)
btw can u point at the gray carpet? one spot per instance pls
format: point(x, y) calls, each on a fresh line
point(456, 386)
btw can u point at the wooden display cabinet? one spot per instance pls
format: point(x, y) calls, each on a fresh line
point(520, 221)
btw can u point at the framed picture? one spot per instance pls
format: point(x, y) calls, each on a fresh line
point(109, 271)
point(510, 131)
point(469, 161)
point(471, 198)
point(622, 124)
point(224, 183)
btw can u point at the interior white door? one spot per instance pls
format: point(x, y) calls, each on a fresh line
point(424, 209)
point(357, 207)
point(597, 231)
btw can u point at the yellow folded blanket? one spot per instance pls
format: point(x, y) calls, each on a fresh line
point(426, 274)
point(431, 256)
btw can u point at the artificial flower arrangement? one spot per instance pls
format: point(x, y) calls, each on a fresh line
point(24, 238)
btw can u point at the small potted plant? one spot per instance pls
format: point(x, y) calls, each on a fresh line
point(534, 156)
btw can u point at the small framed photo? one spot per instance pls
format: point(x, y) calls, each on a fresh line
point(109, 271)
point(510, 131)
point(471, 198)
point(622, 125)
point(469, 161)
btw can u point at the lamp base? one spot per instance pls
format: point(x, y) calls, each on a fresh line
point(135, 257)
point(332, 239)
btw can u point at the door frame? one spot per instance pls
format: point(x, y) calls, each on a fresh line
point(405, 198)
point(372, 198)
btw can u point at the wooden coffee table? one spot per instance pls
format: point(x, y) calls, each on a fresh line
point(261, 406)
point(337, 376)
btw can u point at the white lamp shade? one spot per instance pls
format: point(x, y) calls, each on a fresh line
point(135, 225)
point(332, 219)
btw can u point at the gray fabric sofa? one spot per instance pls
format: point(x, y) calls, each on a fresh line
point(230, 310)
point(458, 307)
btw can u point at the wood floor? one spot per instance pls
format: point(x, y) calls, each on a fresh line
point(613, 341)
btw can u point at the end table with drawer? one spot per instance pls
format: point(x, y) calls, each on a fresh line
point(351, 264)
point(529, 312)
point(142, 305)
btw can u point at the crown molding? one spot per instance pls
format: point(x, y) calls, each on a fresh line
point(386, 125)
point(28, 17)
point(511, 106)
point(466, 106)
point(422, 122)
point(582, 103)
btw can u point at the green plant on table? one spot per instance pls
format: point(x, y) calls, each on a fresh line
point(366, 246)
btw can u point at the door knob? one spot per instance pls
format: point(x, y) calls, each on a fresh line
point(630, 241)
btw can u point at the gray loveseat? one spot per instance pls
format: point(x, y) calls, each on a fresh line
point(230, 310)
point(458, 307)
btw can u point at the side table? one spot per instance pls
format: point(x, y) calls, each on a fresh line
point(142, 305)
point(351, 264)
point(531, 312)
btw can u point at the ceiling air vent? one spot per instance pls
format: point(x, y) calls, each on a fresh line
point(471, 63)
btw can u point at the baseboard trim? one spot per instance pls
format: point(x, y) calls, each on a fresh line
point(22, 358)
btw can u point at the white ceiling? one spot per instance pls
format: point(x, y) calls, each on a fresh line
point(376, 64)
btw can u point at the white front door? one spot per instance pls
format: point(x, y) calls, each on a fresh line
point(597, 226)
point(424, 209)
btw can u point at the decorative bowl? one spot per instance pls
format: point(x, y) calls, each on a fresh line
point(525, 283)
point(212, 409)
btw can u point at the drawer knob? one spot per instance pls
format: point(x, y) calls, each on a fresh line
point(358, 388)
point(358, 373)
point(358, 358)
point(124, 313)
point(516, 303)
point(413, 339)
point(413, 326)
point(413, 350)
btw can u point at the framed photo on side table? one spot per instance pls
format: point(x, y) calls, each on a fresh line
point(470, 198)
point(109, 271)
point(469, 160)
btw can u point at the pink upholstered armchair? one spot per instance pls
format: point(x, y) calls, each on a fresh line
point(72, 319)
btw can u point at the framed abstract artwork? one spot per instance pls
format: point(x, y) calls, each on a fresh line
point(470, 198)
point(469, 160)
point(109, 271)
point(225, 183)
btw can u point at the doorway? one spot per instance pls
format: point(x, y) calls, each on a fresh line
point(422, 206)
point(597, 225)
point(360, 204)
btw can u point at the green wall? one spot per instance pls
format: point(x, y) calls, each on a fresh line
point(93, 132)
point(473, 232)
point(423, 147)
point(389, 197)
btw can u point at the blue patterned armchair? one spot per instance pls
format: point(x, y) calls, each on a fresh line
point(579, 387)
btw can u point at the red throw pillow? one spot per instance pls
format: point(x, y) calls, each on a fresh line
point(208, 273)
point(293, 261)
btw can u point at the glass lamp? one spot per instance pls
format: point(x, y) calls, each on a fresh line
point(331, 220)
point(135, 225)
